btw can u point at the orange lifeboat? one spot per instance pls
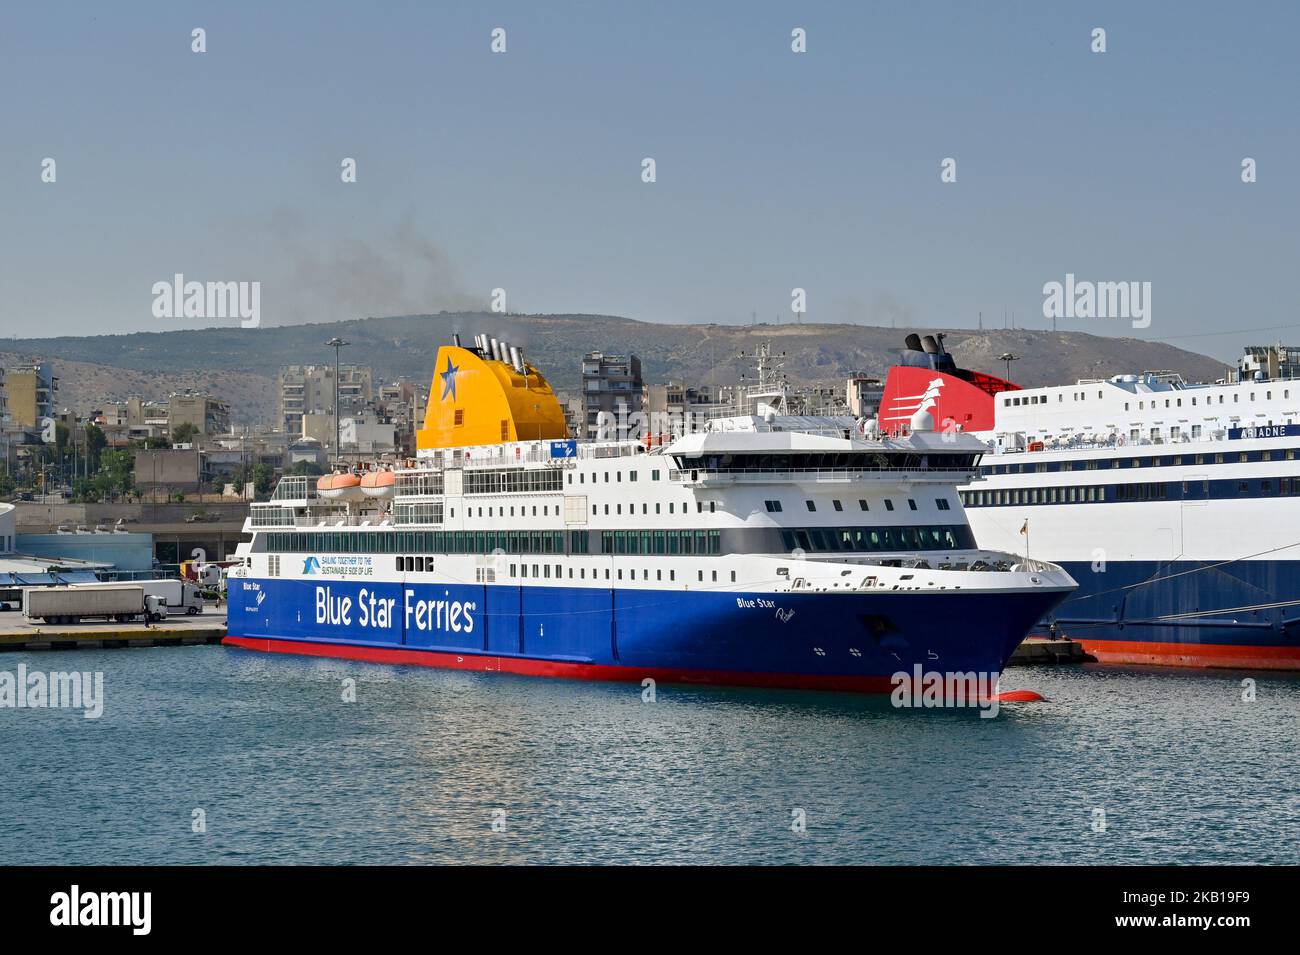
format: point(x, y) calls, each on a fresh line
point(381, 484)
point(339, 487)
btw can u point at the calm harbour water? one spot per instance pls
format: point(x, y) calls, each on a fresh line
point(1185, 771)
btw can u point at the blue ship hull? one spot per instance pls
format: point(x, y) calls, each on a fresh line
point(1173, 613)
point(850, 641)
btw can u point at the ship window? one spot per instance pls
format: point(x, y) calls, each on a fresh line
point(713, 507)
point(838, 505)
point(618, 476)
point(911, 503)
point(701, 573)
point(672, 575)
point(654, 475)
point(399, 564)
point(811, 505)
point(460, 417)
point(631, 475)
point(715, 576)
point(889, 505)
point(733, 576)
point(862, 504)
point(419, 564)
point(772, 506)
point(699, 507)
point(942, 504)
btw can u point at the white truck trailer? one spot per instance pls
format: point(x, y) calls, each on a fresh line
point(179, 596)
point(73, 603)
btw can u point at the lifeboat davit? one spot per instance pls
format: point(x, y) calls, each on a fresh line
point(381, 484)
point(340, 487)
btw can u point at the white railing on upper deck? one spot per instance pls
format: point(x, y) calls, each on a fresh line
point(819, 475)
point(265, 518)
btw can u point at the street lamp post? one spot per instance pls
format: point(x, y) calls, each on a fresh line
point(336, 343)
point(1008, 358)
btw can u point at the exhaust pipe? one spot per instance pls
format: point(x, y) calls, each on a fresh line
point(517, 358)
point(913, 342)
point(929, 345)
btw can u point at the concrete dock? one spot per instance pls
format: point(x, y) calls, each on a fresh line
point(1036, 650)
point(19, 633)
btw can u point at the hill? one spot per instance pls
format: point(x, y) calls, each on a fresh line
point(241, 364)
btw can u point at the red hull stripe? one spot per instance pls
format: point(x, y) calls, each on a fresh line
point(570, 671)
point(1194, 655)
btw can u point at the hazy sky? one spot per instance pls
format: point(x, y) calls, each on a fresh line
point(775, 170)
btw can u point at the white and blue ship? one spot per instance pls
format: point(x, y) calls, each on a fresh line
point(1170, 502)
point(762, 550)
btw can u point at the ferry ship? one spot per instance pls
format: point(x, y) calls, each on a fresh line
point(1175, 505)
point(762, 549)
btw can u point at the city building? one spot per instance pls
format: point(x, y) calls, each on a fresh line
point(160, 472)
point(612, 392)
point(31, 392)
point(675, 408)
point(208, 415)
point(863, 395)
point(309, 389)
point(6, 459)
point(366, 434)
point(403, 402)
point(1268, 361)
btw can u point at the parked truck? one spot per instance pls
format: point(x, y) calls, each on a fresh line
point(177, 596)
point(181, 596)
point(74, 603)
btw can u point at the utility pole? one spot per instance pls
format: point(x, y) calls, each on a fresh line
point(336, 343)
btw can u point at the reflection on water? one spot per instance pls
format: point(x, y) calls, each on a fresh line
point(1182, 768)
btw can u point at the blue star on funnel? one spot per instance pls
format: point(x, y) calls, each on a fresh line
point(449, 380)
